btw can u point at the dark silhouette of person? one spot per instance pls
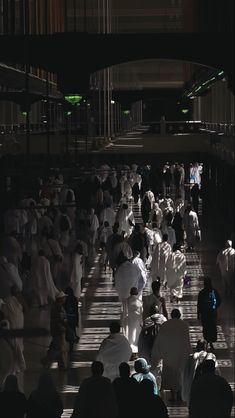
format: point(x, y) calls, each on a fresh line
point(71, 309)
point(151, 405)
point(12, 402)
point(195, 194)
point(211, 395)
point(177, 225)
point(45, 401)
point(126, 391)
point(145, 209)
point(136, 192)
point(208, 302)
point(139, 241)
point(96, 397)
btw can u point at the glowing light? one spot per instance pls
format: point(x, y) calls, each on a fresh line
point(184, 111)
point(73, 99)
point(24, 113)
point(126, 112)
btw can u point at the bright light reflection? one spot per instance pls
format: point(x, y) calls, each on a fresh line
point(224, 362)
point(125, 146)
point(67, 413)
point(75, 364)
point(70, 389)
point(88, 347)
point(179, 411)
point(95, 330)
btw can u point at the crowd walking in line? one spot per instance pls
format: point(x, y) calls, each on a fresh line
point(50, 241)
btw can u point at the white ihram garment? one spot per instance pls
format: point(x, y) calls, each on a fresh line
point(175, 272)
point(42, 286)
point(76, 274)
point(159, 259)
point(226, 261)
point(133, 321)
point(114, 349)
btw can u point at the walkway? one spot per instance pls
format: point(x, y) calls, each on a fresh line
point(100, 305)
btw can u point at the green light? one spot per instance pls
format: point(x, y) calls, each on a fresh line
point(184, 111)
point(24, 113)
point(68, 113)
point(126, 112)
point(221, 73)
point(73, 99)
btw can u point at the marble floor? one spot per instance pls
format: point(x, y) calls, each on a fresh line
point(100, 305)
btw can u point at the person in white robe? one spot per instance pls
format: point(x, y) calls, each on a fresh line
point(154, 236)
point(41, 284)
point(191, 226)
point(77, 271)
point(125, 219)
point(151, 198)
point(32, 228)
point(65, 227)
point(123, 247)
point(114, 350)
point(171, 234)
point(94, 225)
point(159, 259)
point(105, 232)
point(226, 262)
point(107, 214)
point(7, 356)
point(175, 272)
point(9, 276)
point(172, 345)
point(126, 276)
point(13, 311)
point(127, 187)
point(122, 181)
point(53, 253)
point(133, 320)
point(156, 215)
point(137, 260)
point(11, 249)
point(194, 360)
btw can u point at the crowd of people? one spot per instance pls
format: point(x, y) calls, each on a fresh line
point(50, 241)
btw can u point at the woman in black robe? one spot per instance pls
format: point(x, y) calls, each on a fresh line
point(208, 302)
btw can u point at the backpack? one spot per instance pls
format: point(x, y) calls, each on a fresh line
point(212, 301)
point(64, 223)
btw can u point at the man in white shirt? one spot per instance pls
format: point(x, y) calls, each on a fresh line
point(114, 350)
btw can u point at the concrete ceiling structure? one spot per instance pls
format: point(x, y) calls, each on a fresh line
point(149, 16)
point(127, 35)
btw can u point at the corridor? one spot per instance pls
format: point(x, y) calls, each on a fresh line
point(100, 305)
